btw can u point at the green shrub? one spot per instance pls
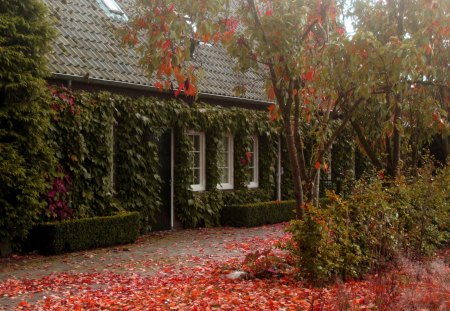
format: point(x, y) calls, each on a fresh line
point(26, 159)
point(81, 234)
point(379, 223)
point(423, 205)
point(326, 244)
point(257, 214)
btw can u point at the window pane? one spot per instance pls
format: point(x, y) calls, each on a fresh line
point(225, 146)
point(196, 177)
point(224, 176)
point(196, 157)
point(191, 159)
point(196, 142)
point(252, 161)
point(252, 145)
point(221, 160)
point(196, 162)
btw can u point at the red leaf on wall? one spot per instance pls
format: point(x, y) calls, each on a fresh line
point(317, 165)
point(271, 93)
point(309, 75)
point(159, 86)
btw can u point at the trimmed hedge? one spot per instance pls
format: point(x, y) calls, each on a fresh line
point(257, 214)
point(86, 233)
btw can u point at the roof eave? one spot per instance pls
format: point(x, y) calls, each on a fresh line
point(143, 87)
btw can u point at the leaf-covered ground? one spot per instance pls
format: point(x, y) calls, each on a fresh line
point(186, 270)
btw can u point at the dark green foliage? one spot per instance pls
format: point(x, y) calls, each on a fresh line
point(287, 191)
point(257, 214)
point(268, 145)
point(26, 159)
point(342, 162)
point(25, 36)
point(325, 246)
point(203, 208)
point(188, 211)
point(140, 124)
point(244, 196)
point(87, 119)
point(423, 205)
point(208, 205)
point(81, 234)
point(374, 227)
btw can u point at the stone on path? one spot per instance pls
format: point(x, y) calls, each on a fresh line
point(237, 275)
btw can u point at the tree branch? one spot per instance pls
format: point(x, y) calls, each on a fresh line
point(369, 151)
point(337, 132)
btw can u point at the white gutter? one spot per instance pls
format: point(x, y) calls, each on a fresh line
point(172, 164)
point(279, 172)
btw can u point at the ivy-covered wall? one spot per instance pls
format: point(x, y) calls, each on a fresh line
point(81, 135)
point(103, 135)
point(203, 208)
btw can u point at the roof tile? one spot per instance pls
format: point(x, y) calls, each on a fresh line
point(87, 44)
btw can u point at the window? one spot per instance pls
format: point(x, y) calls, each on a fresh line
point(253, 162)
point(225, 162)
point(112, 9)
point(113, 6)
point(197, 159)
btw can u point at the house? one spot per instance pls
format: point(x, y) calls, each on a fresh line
point(87, 55)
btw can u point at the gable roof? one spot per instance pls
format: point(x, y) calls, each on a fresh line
point(87, 44)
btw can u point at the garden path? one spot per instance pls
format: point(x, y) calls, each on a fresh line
point(181, 248)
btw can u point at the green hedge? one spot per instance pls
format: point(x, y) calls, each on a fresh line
point(81, 234)
point(257, 214)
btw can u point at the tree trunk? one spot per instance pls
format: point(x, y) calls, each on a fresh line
point(365, 145)
point(446, 147)
point(396, 142)
point(316, 189)
point(296, 179)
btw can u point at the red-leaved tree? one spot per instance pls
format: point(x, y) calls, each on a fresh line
point(318, 77)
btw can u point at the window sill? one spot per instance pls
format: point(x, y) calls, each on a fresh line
point(225, 186)
point(252, 185)
point(197, 187)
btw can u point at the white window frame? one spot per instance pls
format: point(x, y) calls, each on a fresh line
point(112, 9)
point(200, 186)
point(255, 178)
point(112, 6)
point(229, 185)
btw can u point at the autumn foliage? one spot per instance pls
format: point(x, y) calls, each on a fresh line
point(199, 282)
point(321, 79)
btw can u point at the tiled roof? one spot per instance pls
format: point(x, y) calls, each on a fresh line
point(87, 44)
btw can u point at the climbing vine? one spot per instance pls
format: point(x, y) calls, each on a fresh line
point(203, 208)
point(118, 136)
point(82, 136)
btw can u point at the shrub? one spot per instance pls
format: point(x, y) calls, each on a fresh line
point(377, 225)
point(257, 214)
point(26, 159)
point(81, 234)
point(423, 205)
point(324, 244)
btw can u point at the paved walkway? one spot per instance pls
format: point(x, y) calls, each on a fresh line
point(179, 248)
